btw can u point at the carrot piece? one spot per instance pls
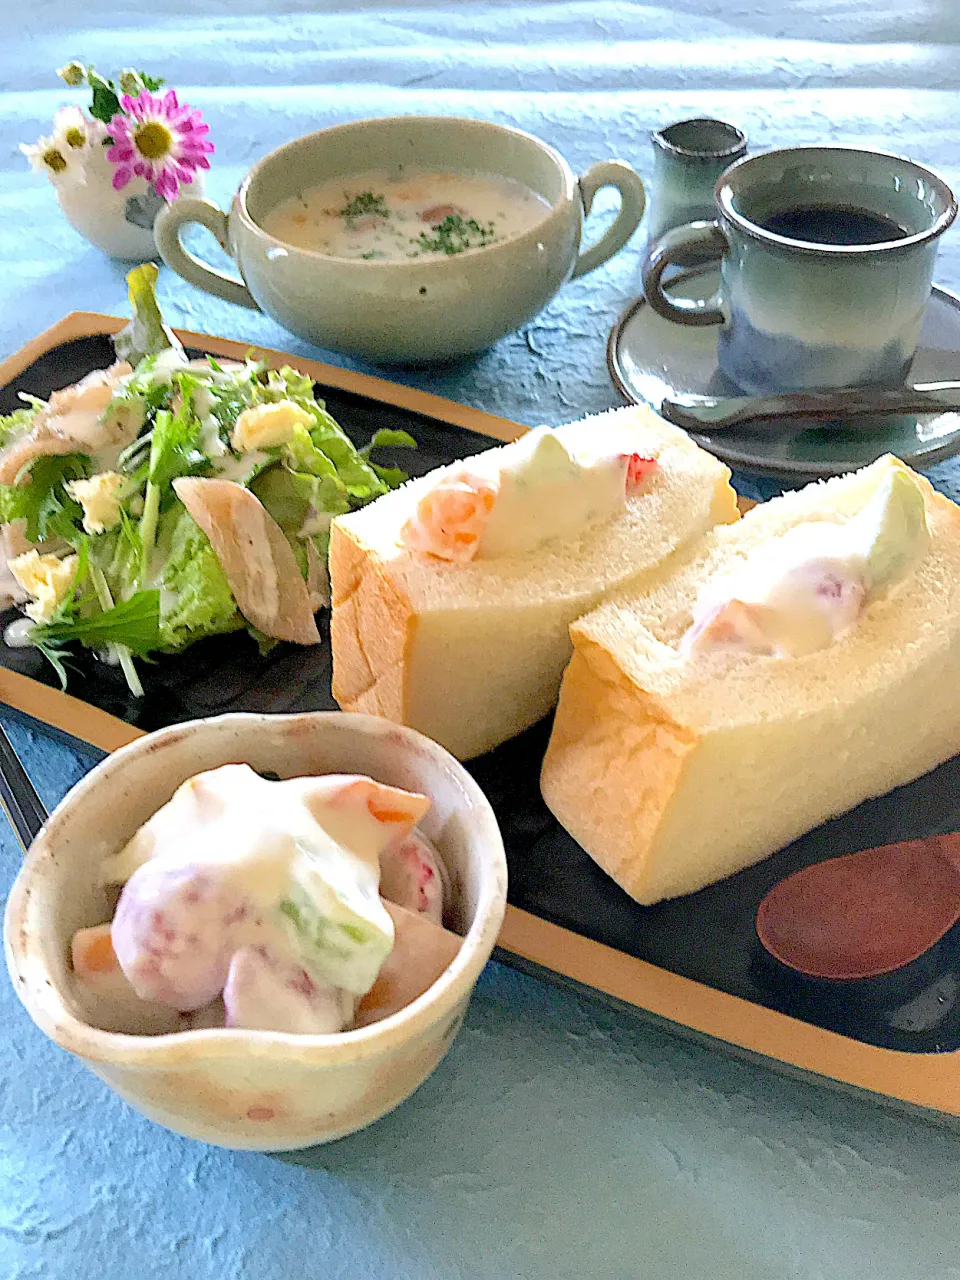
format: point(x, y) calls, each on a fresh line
point(390, 815)
point(92, 952)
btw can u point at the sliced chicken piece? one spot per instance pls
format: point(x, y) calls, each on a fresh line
point(256, 558)
point(78, 411)
point(75, 420)
point(13, 542)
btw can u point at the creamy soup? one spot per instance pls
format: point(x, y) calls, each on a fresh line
point(375, 215)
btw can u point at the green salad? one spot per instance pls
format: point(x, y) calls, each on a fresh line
point(164, 500)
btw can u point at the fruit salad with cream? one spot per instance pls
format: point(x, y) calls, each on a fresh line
point(802, 591)
point(512, 499)
point(270, 905)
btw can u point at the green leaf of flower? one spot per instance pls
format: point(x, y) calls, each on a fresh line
point(106, 103)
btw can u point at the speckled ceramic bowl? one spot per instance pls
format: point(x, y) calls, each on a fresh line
point(411, 310)
point(253, 1089)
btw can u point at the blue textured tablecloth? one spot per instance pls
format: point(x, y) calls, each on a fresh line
point(559, 1139)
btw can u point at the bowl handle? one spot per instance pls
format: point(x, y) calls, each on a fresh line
point(610, 173)
point(167, 229)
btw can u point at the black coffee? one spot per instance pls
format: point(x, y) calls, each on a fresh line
point(834, 224)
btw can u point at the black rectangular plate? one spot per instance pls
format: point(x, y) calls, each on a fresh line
point(708, 936)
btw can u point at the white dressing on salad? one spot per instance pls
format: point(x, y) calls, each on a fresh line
point(227, 466)
point(211, 442)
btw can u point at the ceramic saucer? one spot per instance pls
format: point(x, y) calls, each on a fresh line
point(651, 358)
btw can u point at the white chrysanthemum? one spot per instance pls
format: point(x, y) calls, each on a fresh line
point(74, 133)
point(47, 156)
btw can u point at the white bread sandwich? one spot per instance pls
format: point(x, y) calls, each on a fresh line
point(453, 595)
point(780, 672)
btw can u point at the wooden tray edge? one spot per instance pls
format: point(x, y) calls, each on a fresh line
point(926, 1081)
point(85, 324)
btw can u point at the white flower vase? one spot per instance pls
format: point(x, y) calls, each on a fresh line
point(119, 223)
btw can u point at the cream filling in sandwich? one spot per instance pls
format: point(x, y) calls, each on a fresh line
point(530, 491)
point(800, 592)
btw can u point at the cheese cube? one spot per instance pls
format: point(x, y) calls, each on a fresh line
point(100, 498)
point(265, 425)
point(48, 579)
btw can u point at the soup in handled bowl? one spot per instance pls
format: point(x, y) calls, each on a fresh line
point(406, 239)
point(282, 968)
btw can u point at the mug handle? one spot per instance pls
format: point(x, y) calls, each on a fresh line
point(167, 230)
point(610, 173)
point(709, 240)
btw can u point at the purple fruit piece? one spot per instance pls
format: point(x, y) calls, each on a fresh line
point(410, 876)
point(269, 990)
point(174, 931)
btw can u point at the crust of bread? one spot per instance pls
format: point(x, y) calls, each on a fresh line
point(674, 775)
point(614, 763)
point(371, 631)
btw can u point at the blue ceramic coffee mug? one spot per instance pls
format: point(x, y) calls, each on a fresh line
point(826, 265)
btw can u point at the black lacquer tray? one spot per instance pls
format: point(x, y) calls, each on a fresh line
point(694, 961)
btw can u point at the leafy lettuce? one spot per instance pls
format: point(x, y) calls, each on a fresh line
point(42, 501)
point(196, 600)
point(146, 334)
point(153, 582)
point(13, 425)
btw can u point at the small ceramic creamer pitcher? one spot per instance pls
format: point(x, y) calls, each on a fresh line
point(688, 158)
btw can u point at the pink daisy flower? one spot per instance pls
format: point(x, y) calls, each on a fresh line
point(157, 139)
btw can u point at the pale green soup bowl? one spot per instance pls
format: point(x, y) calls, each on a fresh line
point(421, 309)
